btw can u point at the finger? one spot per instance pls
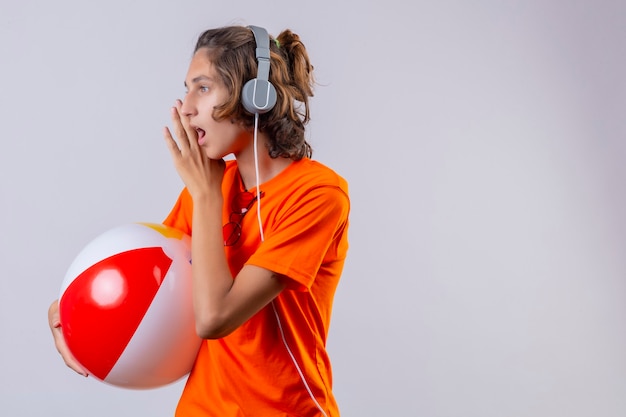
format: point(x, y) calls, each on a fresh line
point(68, 358)
point(179, 131)
point(190, 132)
point(75, 366)
point(184, 121)
point(172, 146)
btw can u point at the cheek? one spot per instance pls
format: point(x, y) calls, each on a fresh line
point(206, 109)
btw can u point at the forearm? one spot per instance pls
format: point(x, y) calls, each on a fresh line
point(212, 279)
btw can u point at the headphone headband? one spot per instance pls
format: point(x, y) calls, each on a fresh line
point(262, 40)
point(259, 95)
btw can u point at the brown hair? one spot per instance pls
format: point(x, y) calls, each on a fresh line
point(232, 52)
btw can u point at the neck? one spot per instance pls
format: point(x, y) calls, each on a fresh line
point(268, 167)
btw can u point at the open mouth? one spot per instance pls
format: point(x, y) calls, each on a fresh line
point(201, 134)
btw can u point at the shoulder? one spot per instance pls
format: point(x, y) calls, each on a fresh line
point(310, 174)
point(180, 216)
point(309, 188)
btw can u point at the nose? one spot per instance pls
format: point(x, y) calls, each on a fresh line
point(188, 107)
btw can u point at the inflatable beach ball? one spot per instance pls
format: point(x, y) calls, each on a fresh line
point(126, 306)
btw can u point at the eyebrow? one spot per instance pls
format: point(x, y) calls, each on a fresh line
point(198, 79)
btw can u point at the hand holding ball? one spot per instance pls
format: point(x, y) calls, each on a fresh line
point(126, 306)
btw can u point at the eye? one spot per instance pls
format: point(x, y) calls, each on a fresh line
point(204, 89)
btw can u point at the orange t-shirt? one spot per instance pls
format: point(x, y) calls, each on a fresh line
point(304, 212)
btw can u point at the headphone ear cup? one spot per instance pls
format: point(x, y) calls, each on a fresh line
point(258, 96)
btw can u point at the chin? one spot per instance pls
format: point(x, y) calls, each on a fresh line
point(214, 154)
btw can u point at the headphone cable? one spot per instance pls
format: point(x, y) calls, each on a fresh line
point(256, 169)
point(280, 326)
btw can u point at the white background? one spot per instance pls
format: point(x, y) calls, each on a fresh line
point(485, 147)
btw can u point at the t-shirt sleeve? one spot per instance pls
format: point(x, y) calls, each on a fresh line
point(308, 234)
point(180, 217)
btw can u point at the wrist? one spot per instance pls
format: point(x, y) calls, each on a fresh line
point(208, 198)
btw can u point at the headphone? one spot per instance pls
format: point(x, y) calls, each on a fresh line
point(258, 95)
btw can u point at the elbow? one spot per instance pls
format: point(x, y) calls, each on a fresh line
point(213, 326)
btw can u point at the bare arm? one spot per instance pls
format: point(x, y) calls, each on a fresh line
point(221, 303)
